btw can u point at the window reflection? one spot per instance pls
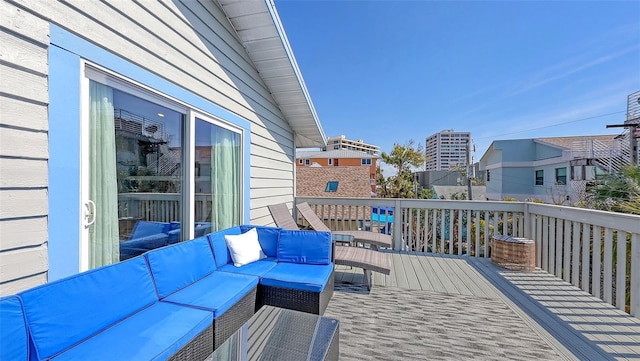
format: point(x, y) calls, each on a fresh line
point(217, 183)
point(149, 153)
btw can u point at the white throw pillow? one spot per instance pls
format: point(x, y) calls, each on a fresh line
point(244, 248)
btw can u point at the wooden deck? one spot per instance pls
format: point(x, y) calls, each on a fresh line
point(574, 324)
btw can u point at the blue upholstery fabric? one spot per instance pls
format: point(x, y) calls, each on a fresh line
point(14, 343)
point(202, 228)
point(298, 276)
point(179, 265)
point(257, 268)
point(155, 333)
point(65, 312)
point(268, 238)
point(216, 293)
point(308, 247)
point(174, 236)
point(138, 246)
point(219, 245)
point(147, 228)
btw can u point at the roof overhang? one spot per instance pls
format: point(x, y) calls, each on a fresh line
point(260, 31)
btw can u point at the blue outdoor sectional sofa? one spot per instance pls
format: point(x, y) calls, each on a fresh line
point(176, 302)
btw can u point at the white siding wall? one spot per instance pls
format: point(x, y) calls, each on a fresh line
point(190, 43)
point(23, 149)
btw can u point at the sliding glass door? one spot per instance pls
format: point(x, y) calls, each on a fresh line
point(155, 172)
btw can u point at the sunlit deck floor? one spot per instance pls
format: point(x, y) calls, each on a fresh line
point(438, 307)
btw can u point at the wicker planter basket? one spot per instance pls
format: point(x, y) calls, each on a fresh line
point(517, 254)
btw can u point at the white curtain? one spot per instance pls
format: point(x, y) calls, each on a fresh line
point(225, 178)
point(103, 191)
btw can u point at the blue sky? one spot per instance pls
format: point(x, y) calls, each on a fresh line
point(390, 71)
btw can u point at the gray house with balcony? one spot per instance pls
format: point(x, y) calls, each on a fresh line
point(554, 170)
point(113, 113)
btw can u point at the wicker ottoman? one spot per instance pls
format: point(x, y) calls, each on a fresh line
point(517, 254)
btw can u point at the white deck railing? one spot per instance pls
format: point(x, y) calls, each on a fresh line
point(595, 250)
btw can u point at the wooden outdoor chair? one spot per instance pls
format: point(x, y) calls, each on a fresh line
point(372, 238)
point(367, 259)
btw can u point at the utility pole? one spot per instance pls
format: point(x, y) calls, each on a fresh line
point(469, 166)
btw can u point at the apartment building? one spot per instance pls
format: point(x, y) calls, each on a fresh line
point(340, 158)
point(446, 149)
point(341, 142)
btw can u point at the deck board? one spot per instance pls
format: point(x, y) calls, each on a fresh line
point(572, 322)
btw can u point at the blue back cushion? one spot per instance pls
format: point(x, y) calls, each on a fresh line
point(308, 247)
point(219, 245)
point(268, 238)
point(65, 312)
point(177, 266)
point(13, 330)
point(146, 228)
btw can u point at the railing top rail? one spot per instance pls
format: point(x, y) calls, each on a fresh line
point(419, 203)
point(625, 222)
point(621, 221)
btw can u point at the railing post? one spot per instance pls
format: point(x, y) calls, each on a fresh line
point(397, 227)
point(635, 275)
point(527, 222)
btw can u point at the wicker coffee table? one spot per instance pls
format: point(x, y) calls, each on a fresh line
point(280, 334)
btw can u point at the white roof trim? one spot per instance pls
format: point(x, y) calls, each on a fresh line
point(260, 31)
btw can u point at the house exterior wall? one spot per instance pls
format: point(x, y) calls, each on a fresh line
point(512, 166)
point(24, 43)
point(190, 44)
point(342, 162)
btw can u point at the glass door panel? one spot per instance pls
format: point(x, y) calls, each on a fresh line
point(217, 182)
point(135, 175)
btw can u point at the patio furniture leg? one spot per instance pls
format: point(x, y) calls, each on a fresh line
point(368, 279)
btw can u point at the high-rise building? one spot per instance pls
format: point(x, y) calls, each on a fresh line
point(446, 149)
point(340, 142)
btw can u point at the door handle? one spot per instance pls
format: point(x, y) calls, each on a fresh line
point(90, 213)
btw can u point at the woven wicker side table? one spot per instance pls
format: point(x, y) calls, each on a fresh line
point(517, 254)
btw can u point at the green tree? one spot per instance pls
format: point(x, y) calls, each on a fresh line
point(404, 158)
point(619, 192)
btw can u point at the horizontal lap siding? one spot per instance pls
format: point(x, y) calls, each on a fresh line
point(189, 43)
point(23, 149)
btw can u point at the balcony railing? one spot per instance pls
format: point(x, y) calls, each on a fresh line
point(595, 250)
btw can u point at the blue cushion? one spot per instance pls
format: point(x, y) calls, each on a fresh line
point(268, 238)
point(140, 245)
point(308, 247)
point(202, 228)
point(257, 268)
point(216, 293)
point(14, 343)
point(155, 333)
point(219, 245)
point(174, 236)
point(147, 228)
point(65, 312)
point(298, 276)
point(179, 265)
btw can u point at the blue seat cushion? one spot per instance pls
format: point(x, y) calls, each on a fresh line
point(141, 245)
point(216, 293)
point(202, 228)
point(177, 266)
point(147, 228)
point(257, 268)
point(81, 305)
point(219, 245)
point(308, 247)
point(14, 343)
point(268, 238)
point(298, 276)
point(155, 333)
